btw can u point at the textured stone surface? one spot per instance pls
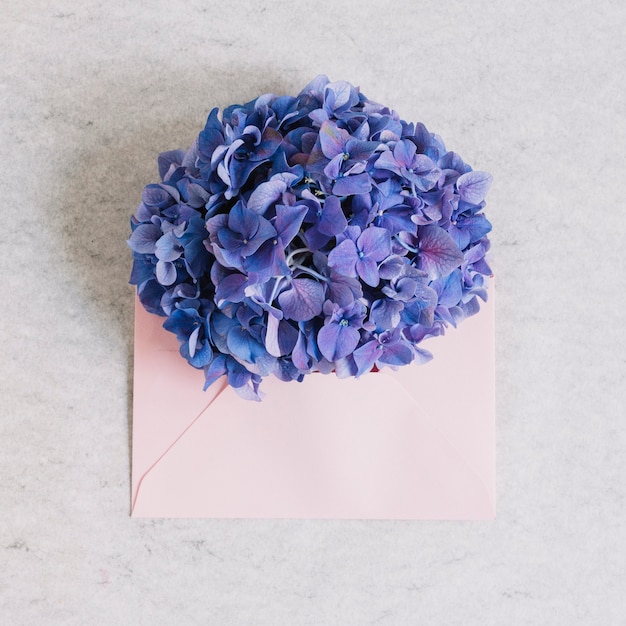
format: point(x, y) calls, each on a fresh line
point(530, 91)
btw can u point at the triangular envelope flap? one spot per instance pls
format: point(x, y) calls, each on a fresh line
point(168, 392)
point(324, 448)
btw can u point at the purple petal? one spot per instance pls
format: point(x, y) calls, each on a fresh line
point(303, 301)
point(368, 271)
point(343, 258)
point(165, 272)
point(403, 152)
point(375, 243)
point(473, 186)
point(239, 172)
point(347, 340)
point(229, 239)
point(243, 221)
point(269, 144)
point(288, 221)
point(159, 195)
point(345, 367)
point(215, 370)
point(319, 115)
point(344, 93)
point(438, 254)
point(398, 353)
point(360, 150)
point(167, 248)
point(422, 164)
point(405, 288)
point(477, 226)
point(337, 341)
point(366, 356)
point(343, 290)
point(392, 267)
point(333, 221)
point(231, 289)
point(243, 345)
point(449, 289)
point(316, 240)
point(267, 261)
point(386, 313)
point(167, 159)
point(287, 337)
point(265, 230)
point(266, 194)
point(202, 353)
point(452, 161)
point(334, 166)
point(299, 355)
point(387, 161)
point(460, 236)
point(426, 300)
point(353, 185)
point(316, 85)
point(144, 238)
point(193, 341)
point(332, 139)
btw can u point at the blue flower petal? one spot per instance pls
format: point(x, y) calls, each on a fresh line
point(333, 221)
point(343, 258)
point(336, 341)
point(332, 139)
point(214, 370)
point(386, 313)
point(366, 356)
point(265, 195)
point(167, 159)
point(438, 254)
point(144, 237)
point(243, 345)
point(473, 186)
point(352, 185)
point(333, 168)
point(375, 243)
point(368, 271)
point(288, 222)
point(231, 289)
point(269, 144)
point(303, 300)
point(165, 272)
point(168, 248)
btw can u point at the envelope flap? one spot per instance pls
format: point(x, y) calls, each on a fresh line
point(164, 384)
point(324, 448)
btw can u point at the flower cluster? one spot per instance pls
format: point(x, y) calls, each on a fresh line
point(315, 233)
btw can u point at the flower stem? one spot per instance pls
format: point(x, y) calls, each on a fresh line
point(406, 246)
point(294, 253)
point(278, 280)
point(308, 270)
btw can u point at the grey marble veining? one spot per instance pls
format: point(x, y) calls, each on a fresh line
point(530, 91)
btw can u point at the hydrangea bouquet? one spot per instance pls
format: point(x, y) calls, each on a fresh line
point(316, 233)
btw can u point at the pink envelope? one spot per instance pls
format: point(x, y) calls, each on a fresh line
point(413, 444)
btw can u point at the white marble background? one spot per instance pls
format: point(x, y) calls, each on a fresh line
point(531, 91)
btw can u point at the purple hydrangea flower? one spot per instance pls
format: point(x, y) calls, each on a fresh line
point(314, 233)
point(359, 254)
point(340, 334)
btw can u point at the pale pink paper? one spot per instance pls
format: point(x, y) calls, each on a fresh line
point(413, 444)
